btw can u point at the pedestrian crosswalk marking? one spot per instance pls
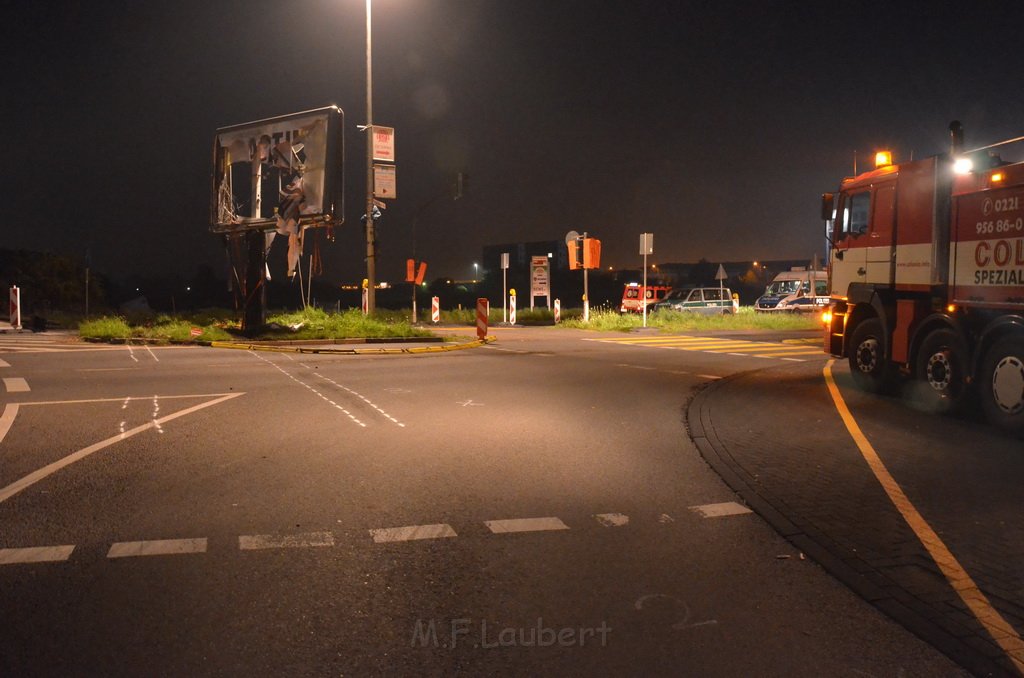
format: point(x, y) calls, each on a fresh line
point(720, 346)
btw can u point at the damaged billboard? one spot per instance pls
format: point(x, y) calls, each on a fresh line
point(281, 174)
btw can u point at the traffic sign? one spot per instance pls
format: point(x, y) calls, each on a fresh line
point(646, 244)
point(383, 143)
point(384, 182)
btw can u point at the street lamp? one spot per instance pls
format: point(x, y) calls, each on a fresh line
point(476, 267)
point(371, 254)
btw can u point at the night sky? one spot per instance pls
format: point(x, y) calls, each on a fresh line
point(714, 125)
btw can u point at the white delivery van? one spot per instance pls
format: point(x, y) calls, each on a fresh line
point(791, 291)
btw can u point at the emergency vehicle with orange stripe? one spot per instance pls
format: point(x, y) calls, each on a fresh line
point(926, 279)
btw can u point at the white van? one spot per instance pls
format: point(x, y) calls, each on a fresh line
point(790, 291)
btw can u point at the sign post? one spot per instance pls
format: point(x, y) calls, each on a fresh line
point(586, 290)
point(15, 308)
point(646, 247)
point(504, 287)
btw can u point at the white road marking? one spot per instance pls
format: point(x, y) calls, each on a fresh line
point(37, 554)
point(469, 403)
point(708, 376)
point(612, 519)
point(104, 369)
point(525, 525)
point(412, 532)
point(361, 397)
point(637, 367)
point(151, 353)
point(307, 386)
point(131, 353)
point(156, 411)
point(256, 542)
point(157, 547)
point(7, 419)
point(729, 508)
point(4, 363)
point(48, 470)
point(16, 385)
point(117, 400)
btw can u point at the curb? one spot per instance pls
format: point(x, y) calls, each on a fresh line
point(841, 566)
point(350, 351)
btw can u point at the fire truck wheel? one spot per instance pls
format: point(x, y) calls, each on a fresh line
point(868, 365)
point(941, 366)
point(1001, 382)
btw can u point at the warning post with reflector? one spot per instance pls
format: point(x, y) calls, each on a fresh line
point(15, 308)
point(483, 307)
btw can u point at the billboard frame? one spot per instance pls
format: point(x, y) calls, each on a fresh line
point(327, 206)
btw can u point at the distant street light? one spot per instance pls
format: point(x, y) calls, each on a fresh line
point(476, 267)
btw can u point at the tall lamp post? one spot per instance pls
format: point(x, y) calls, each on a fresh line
point(371, 253)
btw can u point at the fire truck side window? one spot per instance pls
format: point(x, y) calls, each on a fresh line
point(860, 209)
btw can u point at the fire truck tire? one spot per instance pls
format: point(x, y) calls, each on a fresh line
point(867, 354)
point(1001, 383)
point(942, 370)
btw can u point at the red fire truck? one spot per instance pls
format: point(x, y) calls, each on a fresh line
point(926, 275)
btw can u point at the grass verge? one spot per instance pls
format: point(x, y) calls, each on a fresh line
point(307, 324)
point(678, 321)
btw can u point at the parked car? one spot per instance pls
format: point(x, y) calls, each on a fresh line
point(703, 300)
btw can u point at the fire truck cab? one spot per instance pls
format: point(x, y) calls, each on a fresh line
point(926, 279)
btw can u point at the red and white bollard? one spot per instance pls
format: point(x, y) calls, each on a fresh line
point(435, 309)
point(512, 308)
point(482, 308)
point(15, 308)
point(366, 302)
point(558, 310)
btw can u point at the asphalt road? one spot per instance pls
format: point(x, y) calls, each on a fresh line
point(530, 507)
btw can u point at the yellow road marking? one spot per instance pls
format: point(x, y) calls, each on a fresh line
point(1001, 631)
point(816, 351)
